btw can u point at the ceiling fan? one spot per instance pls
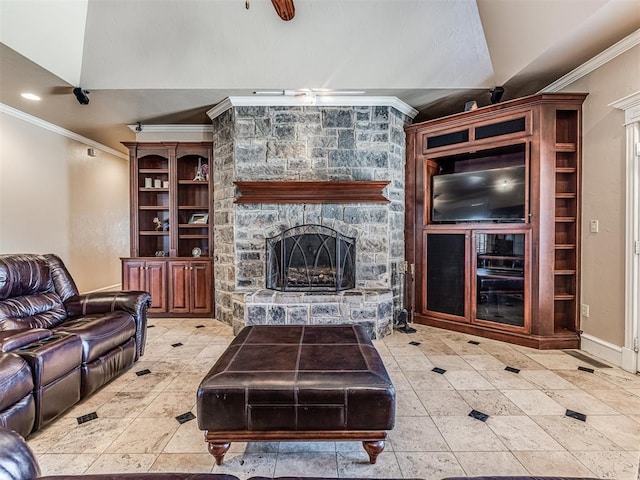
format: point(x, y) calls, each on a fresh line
point(284, 8)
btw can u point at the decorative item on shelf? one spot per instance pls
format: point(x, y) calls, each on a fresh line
point(161, 253)
point(202, 171)
point(199, 218)
point(165, 184)
point(160, 225)
point(157, 183)
point(196, 252)
point(148, 182)
point(469, 106)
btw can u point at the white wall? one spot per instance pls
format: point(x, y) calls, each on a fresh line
point(54, 198)
point(603, 187)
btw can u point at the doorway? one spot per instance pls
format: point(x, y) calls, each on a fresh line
point(630, 355)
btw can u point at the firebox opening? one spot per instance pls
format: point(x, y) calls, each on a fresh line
point(310, 258)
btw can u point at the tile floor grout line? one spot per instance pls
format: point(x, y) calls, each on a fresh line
point(451, 345)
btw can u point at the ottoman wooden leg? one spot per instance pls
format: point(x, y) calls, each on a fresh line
point(218, 450)
point(373, 449)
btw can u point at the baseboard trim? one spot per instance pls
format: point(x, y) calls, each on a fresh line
point(601, 348)
point(629, 359)
point(115, 286)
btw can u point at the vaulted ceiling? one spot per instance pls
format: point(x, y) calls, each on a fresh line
point(169, 61)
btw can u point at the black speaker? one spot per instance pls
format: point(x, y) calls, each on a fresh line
point(496, 94)
point(81, 96)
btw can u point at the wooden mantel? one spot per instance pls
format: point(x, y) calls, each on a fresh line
point(311, 192)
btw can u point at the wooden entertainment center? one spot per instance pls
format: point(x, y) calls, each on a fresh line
point(171, 227)
point(493, 220)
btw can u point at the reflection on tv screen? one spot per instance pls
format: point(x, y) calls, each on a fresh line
point(485, 195)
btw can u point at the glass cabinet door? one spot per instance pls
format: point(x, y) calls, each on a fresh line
point(500, 278)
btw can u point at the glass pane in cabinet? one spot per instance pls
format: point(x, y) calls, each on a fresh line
point(445, 273)
point(154, 246)
point(500, 277)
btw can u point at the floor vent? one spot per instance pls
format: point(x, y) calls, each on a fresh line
point(585, 358)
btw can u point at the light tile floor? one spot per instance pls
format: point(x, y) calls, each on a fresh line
point(527, 431)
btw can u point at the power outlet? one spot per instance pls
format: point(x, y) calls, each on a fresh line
point(594, 226)
point(584, 310)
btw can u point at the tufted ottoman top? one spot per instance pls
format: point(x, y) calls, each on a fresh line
point(274, 378)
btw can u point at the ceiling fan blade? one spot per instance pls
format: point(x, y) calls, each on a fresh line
point(284, 8)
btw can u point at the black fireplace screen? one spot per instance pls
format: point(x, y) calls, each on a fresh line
point(310, 258)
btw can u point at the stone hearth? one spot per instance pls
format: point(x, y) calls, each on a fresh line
point(308, 143)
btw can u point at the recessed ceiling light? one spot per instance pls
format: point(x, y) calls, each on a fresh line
point(30, 96)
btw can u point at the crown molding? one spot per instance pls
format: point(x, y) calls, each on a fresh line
point(596, 62)
point(60, 131)
point(171, 128)
point(311, 100)
point(631, 106)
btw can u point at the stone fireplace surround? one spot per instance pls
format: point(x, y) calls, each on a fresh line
point(280, 139)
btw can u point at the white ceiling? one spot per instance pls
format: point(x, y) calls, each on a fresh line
point(169, 61)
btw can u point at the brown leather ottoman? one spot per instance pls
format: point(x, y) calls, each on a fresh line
point(297, 383)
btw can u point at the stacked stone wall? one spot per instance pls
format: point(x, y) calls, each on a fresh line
point(307, 143)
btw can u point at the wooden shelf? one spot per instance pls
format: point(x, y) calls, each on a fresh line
point(564, 272)
point(311, 192)
point(500, 257)
point(153, 207)
point(565, 219)
point(185, 237)
point(566, 147)
point(565, 246)
point(193, 207)
point(153, 170)
point(564, 297)
point(193, 225)
point(193, 182)
point(144, 189)
point(566, 170)
point(569, 195)
point(150, 233)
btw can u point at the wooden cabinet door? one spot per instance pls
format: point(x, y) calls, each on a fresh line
point(179, 287)
point(200, 290)
point(133, 275)
point(190, 290)
point(148, 277)
point(156, 285)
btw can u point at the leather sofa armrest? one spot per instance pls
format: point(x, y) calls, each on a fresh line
point(15, 339)
point(133, 302)
point(17, 461)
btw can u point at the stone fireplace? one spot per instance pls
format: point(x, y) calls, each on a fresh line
point(310, 258)
point(329, 145)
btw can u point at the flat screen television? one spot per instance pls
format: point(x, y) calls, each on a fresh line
point(494, 195)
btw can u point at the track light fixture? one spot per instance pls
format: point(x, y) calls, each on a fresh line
point(496, 94)
point(81, 96)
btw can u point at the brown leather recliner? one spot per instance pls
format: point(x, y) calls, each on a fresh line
point(17, 406)
point(73, 344)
